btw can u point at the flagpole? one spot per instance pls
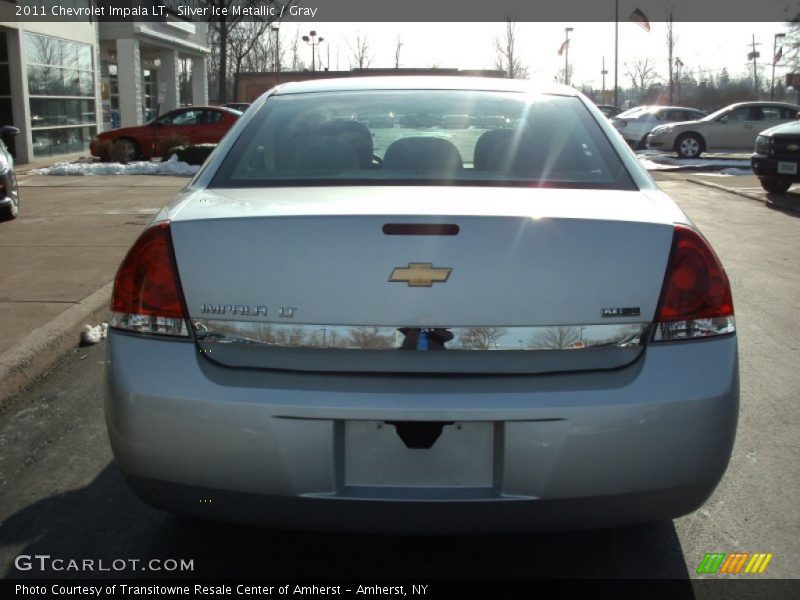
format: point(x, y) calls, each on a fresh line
point(616, 50)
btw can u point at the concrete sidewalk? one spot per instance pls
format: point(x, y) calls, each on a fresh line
point(59, 258)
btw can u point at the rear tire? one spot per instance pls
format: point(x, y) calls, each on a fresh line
point(775, 186)
point(10, 212)
point(689, 145)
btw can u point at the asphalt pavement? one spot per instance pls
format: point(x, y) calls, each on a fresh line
point(59, 257)
point(61, 494)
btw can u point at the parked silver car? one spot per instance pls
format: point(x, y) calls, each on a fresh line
point(421, 328)
point(634, 124)
point(734, 127)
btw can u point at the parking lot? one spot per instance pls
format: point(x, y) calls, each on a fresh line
point(61, 494)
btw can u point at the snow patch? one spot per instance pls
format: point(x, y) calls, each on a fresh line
point(168, 167)
point(729, 172)
point(653, 161)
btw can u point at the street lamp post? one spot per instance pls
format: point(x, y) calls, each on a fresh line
point(310, 39)
point(774, 60)
point(566, 54)
point(276, 29)
point(603, 72)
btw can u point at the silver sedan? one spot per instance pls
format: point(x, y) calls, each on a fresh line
point(734, 127)
point(500, 324)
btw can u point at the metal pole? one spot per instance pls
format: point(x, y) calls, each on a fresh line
point(671, 80)
point(772, 83)
point(566, 56)
point(774, 61)
point(616, 51)
point(603, 72)
point(277, 32)
point(755, 67)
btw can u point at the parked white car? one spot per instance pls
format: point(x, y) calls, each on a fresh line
point(634, 124)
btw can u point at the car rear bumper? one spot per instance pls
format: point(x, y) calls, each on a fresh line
point(646, 442)
point(496, 515)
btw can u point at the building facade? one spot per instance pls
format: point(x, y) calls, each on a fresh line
point(62, 82)
point(142, 66)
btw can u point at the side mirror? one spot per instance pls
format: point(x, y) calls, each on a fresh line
point(797, 116)
point(9, 130)
point(723, 119)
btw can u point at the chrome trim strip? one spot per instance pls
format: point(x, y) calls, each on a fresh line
point(346, 337)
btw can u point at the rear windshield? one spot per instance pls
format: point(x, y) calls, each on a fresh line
point(423, 137)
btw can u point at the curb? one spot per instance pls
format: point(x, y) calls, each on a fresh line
point(717, 186)
point(795, 208)
point(36, 353)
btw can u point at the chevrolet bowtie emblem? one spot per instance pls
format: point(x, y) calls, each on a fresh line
point(420, 274)
point(792, 147)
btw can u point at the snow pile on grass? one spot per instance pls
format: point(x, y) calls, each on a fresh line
point(731, 171)
point(661, 162)
point(168, 167)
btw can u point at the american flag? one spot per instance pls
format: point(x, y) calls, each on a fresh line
point(778, 55)
point(564, 46)
point(640, 19)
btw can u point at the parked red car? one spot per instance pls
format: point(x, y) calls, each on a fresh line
point(195, 124)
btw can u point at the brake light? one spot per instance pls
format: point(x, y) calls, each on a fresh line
point(147, 296)
point(696, 297)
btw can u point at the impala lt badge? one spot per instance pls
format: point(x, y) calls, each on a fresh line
point(630, 311)
point(234, 309)
point(420, 274)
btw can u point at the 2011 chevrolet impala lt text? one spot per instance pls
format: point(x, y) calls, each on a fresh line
point(423, 305)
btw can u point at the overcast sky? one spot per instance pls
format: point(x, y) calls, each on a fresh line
point(471, 46)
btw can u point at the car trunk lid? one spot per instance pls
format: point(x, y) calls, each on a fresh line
point(508, 281)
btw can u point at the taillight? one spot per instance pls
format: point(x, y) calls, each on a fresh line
point(147, 296)
point(696, 298)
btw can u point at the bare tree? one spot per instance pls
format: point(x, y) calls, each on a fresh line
point(791, 45)
point(480, 338)
point(398, 45)
point(557, 338)
point(505, 54)
point(232, 15)
point(562, 77)
point(246, 45)
point(642, 73)
point(360, 51)
point(369, 337)
point(297, 63)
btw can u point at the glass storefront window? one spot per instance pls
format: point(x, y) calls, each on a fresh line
point(150, 90)
point(6, 113)
point(47, 142)
point(46, 112)
point(61, 84)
